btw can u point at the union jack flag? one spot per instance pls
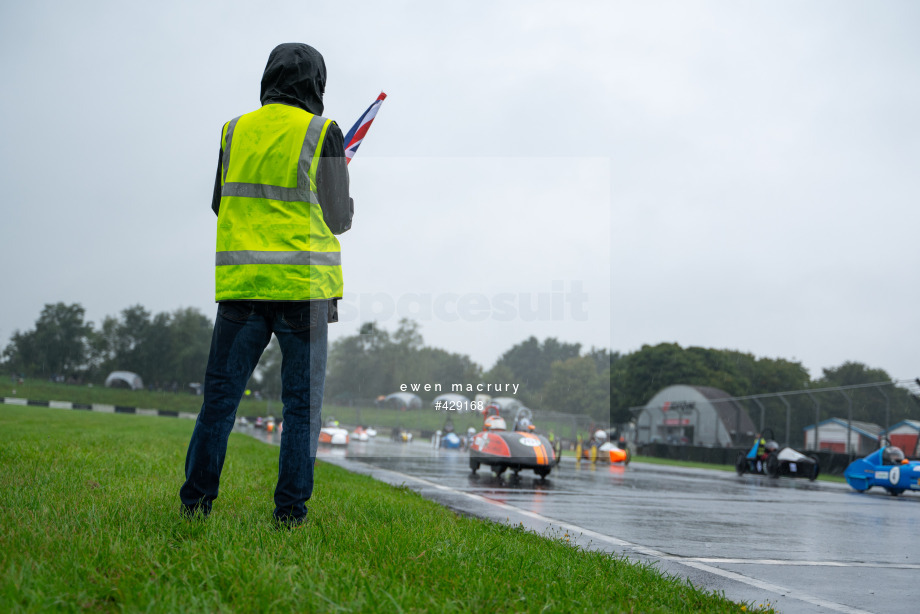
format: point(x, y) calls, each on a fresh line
point(356, 134)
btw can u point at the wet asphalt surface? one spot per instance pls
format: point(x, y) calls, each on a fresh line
point(801, 546)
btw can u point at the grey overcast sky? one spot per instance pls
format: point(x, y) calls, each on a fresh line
point(738, 175)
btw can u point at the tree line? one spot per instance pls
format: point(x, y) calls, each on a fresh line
point(168, 350)
point(553, 374)
point(636, 377)
point(171, 350)
point(607, 385)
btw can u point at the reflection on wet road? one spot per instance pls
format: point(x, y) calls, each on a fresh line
point(803, 546)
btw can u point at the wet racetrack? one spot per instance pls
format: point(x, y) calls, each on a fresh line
point(801, 546)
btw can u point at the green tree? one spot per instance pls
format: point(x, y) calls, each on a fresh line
point(356, 366)
point(124, 339)
point(101, 348)
point(531, 363)
point(603, 358)
point(375, 362)
point(852, 373)
point(189, 344)
point(638, 376)
point(154, 355)
point(869, 404)
point(164, 349)
point(437, 366)
point(58, 345)
point(575, 386)
point(22, 354)
point(499, 375)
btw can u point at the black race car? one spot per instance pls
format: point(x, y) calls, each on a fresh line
point(766, 458)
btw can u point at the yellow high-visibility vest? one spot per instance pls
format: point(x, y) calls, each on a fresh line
point(272, 241)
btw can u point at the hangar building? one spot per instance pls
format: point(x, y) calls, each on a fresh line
point(696, 415)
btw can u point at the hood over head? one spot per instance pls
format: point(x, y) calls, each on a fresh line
point(295, 75)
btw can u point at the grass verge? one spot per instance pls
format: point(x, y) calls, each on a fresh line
point(42, 390)
point(90, 513)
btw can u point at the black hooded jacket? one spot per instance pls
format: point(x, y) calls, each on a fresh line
point(295, 75)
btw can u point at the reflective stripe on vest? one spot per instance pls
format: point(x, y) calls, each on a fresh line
point(254, 257)
point(272, 241)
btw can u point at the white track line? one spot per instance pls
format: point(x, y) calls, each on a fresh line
point(696, 563)
point(802, 563)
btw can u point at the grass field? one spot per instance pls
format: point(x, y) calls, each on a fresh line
point(43, 390)
point(90, 522)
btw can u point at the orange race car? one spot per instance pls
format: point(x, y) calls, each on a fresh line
point(599, 448)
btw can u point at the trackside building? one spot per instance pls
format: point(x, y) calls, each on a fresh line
point(696, 415)
point(905, 435)
point(832, 436)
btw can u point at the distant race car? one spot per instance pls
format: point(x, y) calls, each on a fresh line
point(516, 450)
point(765, 457)
point(598, 448)
point(886, 467)
point(401, 435)
point(450, 440)
point(447, 437)
point(332, 434)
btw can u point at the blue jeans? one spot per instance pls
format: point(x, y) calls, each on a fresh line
point(242, 330)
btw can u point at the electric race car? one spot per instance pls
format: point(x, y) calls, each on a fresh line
point(886, 467)
point(401, 435)
point(332, 434)
point(517, 449)
point(598, 448)
point(765, 457)
point(447, 437)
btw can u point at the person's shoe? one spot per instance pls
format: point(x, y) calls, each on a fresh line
point(194, 512)
point(288, 523)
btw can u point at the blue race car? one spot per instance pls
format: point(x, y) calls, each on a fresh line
point(447, 438)
point(886, 467)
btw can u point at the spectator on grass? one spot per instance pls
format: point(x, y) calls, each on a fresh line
point(281, 194)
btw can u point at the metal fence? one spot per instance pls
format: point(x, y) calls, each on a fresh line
point(809, 405)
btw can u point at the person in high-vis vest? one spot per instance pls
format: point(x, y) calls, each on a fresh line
point(281, 195)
